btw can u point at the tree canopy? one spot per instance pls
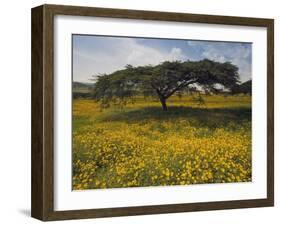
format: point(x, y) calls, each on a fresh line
point(165, 79)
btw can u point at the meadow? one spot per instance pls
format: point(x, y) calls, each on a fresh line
point(141, 145)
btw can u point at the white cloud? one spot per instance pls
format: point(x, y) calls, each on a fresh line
point(236, 53)
point(177, 54)
point(116, 54)
point(124, 51)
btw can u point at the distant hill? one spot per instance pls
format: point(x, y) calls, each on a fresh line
point(82, 90)
point(82, 85)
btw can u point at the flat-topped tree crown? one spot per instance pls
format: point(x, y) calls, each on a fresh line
point(164, 79)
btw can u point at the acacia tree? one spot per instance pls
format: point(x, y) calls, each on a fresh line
point(163, 80)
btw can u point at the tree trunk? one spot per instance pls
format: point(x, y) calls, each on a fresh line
point(163, 102)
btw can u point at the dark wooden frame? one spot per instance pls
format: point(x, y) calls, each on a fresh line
point(42, 203)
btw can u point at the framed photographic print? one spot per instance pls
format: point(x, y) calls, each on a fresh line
point(141, 112)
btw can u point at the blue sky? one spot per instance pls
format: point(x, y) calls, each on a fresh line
point(93, 55)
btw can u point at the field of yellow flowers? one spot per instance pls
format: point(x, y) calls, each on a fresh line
point(140, 145)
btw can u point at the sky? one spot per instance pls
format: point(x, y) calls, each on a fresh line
point(94, 55)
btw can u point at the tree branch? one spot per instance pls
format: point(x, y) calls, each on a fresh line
point(179, 87)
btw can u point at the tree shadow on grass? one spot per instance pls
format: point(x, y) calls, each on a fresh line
point(201, 117)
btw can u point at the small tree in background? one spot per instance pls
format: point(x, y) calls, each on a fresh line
point(163, 80)
point(245, 88)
